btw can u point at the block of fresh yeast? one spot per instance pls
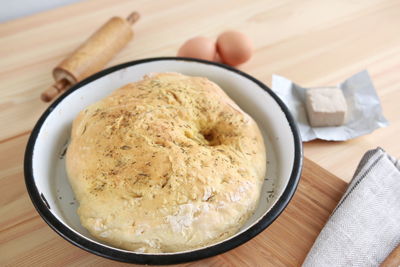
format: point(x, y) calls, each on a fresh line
point(326, 106)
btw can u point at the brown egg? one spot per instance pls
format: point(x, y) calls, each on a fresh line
point(198, 47)
point(234, 47)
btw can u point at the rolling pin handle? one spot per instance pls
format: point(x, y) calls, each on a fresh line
point(92, 55)
point(133, 17)
point(54, 90)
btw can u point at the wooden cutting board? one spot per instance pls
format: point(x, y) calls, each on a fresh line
point(26, 240)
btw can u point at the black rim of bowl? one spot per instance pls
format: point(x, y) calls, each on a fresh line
point(173, 258)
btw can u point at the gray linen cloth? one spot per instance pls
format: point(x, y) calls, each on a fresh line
point(365, 225)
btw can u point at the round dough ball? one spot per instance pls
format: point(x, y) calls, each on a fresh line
point(198, 47)
point(169, 163)
point(234, 47)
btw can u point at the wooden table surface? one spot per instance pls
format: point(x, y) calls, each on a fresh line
point(314, 43)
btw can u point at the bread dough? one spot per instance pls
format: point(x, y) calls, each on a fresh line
point(166, 164)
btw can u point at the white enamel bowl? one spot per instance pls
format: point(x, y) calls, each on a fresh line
point(53, 198)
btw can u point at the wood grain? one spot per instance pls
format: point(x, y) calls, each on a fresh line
point(311, 42)
point(28, 241)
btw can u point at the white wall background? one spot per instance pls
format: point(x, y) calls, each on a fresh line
point(13, 9)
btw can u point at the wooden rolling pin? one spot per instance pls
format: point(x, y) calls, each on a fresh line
point(92, 55)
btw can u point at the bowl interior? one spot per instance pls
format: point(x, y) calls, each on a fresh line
point(51, 143)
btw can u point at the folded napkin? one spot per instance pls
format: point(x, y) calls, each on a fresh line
point(365, 226)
